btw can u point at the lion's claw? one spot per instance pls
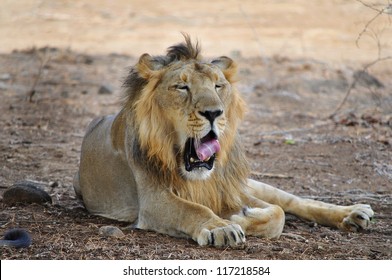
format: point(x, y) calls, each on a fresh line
point(358, 218)
point(231, 235)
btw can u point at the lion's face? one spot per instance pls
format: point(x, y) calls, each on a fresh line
point(185, 113)
point(195, 97)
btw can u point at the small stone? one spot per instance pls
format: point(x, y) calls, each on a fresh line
point(277, 249)
point(111, 231)
point(3, 86)
point(5, 77)
point(26, 192)
point(105, 89)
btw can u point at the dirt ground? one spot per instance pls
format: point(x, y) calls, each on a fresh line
point(291, 85)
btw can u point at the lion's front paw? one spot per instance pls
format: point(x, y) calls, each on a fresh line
point(358, 218)
point(231, 235)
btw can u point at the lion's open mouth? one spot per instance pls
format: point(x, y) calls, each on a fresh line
point(202, 153)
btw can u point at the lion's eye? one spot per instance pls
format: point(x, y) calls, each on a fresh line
point(182, 87)
point(218, 86)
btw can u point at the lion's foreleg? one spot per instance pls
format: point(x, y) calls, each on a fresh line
point(344, 217)
point(165, 212)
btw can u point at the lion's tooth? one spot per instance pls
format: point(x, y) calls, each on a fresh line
point(192, 159)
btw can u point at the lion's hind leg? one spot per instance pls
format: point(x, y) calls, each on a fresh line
point(352, 218)
point(265, 220)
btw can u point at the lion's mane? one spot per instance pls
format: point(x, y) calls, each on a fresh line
point(152, 144)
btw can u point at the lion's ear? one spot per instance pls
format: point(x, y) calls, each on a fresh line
point(147, 66)
point(227, 65)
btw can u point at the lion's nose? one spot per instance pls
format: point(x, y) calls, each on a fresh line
point(211, 115)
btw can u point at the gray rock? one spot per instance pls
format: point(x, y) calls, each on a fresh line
point(105, 89)
point(111, 231)
point(26, 192)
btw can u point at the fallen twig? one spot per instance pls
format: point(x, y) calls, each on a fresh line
point(294, 236)
point(44, 59)
point(271, 175)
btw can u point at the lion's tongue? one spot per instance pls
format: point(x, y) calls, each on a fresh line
point(207, 149)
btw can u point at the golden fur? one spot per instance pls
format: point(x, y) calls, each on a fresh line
point(156, 136)
point(133, 163)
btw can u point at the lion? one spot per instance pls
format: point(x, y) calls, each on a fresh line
point(171, 159)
